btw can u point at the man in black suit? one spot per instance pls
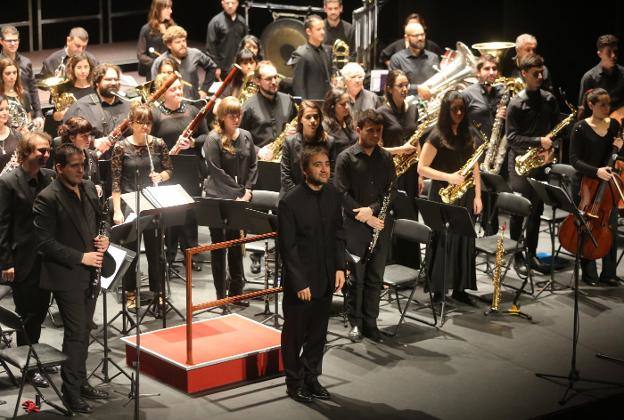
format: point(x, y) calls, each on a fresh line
point(76, 43)
point(312, 64)
point(19, 263)
point(312, 246)
point(67, 217)
point(364, 175)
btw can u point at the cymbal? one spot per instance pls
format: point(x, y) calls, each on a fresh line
point(280, 39)
point(51, 82)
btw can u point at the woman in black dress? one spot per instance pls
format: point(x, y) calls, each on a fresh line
point(446, 150)
point(309, 131)
point(232, 172)
point(79, 71)
point(150, 36)
point(338, 123)
point(9, 137)
point(592, 141)
point(150, 156)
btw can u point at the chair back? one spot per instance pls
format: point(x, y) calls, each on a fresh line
point(413, 231)
point(265, 200)
point(513, 204)
point(562, 175)
point(10, 319)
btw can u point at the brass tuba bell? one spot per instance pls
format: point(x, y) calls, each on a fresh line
point(496, 49)
point(340, 54)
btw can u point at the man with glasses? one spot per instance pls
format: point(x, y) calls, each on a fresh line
point(417, 62)
point(10, 44)
point(102, 109)
point(531, 114)
point(19, 263)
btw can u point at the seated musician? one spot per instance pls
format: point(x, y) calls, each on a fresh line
point(80, 74)
point(337, 121)
point(360, 98)
point(76, 43)
point(592, 141)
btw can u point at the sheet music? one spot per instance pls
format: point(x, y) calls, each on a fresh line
point(118, 255)
point(130, 200)
point(168, 196)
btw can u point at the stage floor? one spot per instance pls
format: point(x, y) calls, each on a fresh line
point(473, 367)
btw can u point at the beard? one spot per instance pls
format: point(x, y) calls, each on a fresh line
point(108, 92)
point(316, 181)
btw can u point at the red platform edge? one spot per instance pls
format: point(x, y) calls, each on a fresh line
point(210, 375)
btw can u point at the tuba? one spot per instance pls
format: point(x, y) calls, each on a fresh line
point(403, 162)
point(537, 157)
point(497, 146)
point(460, 67)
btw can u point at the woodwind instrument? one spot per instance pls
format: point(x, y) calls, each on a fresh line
point(383, 211)
point(149, 155)
point(96, 281)
point(403, 162)
point(206, 109)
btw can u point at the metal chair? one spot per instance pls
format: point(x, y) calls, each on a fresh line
point(266, 201)
point(514, 205)
point(399, 277)
point(31, 357)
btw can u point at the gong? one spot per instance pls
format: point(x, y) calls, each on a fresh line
point(280, 39)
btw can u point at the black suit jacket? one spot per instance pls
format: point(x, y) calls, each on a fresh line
point(62, 239)
point(311, 240)
point(311, 76)
point(17, 234)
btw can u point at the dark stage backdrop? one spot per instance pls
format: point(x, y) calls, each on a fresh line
point(566, 33)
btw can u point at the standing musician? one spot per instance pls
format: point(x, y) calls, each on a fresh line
point(338, 123)
point(223, 36)
point(170, 119)
point(415, 61)
point(150, 157)
point(189, 61)
point(9, 137)
point(150, 36)
point(80, 75)
point(67, 220)
point(267, 112)
point(446, 150)
point(526, 44)
point(313, 252)
point(531, 114)
point(76, 43)
point(20, 265)
point(232, 172)
point(337, 28)
point(10, 43)
point(402, 43)
point(360, 98)
point(592, 142)
point(364, 174)
point(102, 108)
point(309, 131)
point(607, 74)
point(312, 64)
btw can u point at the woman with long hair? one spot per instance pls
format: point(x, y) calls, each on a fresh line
point(20, 109)
point(446, 150)
point(79, 71)
point(232, 172)
point(309, 131)
point(591, 143)
point(149, 156)
point(150, 36)
point(338, 123)
point(9, 137)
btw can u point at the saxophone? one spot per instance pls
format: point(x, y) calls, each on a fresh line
point(248, 88)
point(403, 162)
point(452, 193)
point(496, 277)
point(275, 147)
point(497, 149)
point(383, 211)
point(536, 157)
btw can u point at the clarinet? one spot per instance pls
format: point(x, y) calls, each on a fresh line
point(96, 281)
point(385, 205)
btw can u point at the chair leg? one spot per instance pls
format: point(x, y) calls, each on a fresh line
point(19, 394)
point(9, 373)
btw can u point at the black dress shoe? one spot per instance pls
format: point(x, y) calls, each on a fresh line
point(80, 406)
point(36, 379)
point(196, 267)
point(241, 303)
point(374, 335)
point(317, 390)
point(610, 281)
point(463, 297)
point(301, 395)
point(520, 265)
point(537, 264)
point(92, 393)
point(355, 334)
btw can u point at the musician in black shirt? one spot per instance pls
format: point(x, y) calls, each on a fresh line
point(337, 122)
point(591, 145)
point(224, 34)
point(364, 175)
point(526, 44)
point(402, 43)
point(232, 172)
point(312, 64)
point(531, 115)
point(360, 98)
point(337, 28)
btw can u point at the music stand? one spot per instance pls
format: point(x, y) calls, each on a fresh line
point(446, 218)
point(550, 200)
point(564, 202)
point(123, 258)
point(268, 176)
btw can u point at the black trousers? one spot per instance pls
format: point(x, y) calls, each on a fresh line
point(76, 310)
point(185, 235)
point(234, 260)
point(364, 292)
point(154, 263)
point(521, 185)
point(31, 303)
point(303, 339)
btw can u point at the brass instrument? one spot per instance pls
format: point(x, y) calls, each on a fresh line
point(496, 276)
point(18, 117)
point(458, 69)
point(248, 88)
point(537, 157)
point(452, 193)
point(497, 145)
point(277, 145)
point(59, 95)
point(340, 54)
point(403, 162)
point(496, 49)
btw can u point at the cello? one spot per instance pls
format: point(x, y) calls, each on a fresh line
point(598, 198)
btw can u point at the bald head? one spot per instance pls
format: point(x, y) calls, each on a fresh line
point(415, 36)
